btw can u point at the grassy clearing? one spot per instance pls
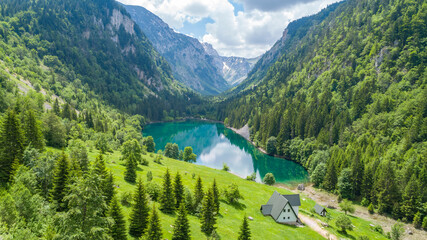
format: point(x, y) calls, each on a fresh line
point(229, 222)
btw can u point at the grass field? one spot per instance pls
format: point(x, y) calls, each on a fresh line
point(230, 219)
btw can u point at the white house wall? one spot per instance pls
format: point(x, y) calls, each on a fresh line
point(287, 215)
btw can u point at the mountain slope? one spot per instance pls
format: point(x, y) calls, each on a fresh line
point(100, 43)
point(348, 100)
point(189, 62)
point(233, 69)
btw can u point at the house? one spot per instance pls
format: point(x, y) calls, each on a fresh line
point(320, 210)
point(282, 208)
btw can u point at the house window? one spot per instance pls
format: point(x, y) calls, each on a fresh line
point(289, 217)
point(289, 210)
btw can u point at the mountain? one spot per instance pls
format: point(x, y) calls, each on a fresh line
point(193, 63)
point(99, 44)
point(233, 69)
point(344, 93)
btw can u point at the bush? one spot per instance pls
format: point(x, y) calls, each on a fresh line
point(371, 209)
point(344, 223)
point(225, 167)
point(379, 229)
point(232, 193)
point(153, 190)
point(364, 202)
point(425, 223)
point(126, 199)
point(271, 145)
point(269, 179)
point(397, 231)
point(346, 206)
point(149, 176)
point(417, 220)
point(251, 177)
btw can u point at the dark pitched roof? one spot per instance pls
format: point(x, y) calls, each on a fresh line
point(278, 202)
point(266, 209)
point(293, 199)
point(319, 209)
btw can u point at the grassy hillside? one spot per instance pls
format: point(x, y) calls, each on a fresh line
point(255, 194)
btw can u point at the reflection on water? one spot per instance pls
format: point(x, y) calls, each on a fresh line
point(214, 145)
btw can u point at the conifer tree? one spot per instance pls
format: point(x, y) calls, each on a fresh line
point(198, 193)
point(167, 200)
point(106, 177)
point(11, 144)
point(108, 188)
point(56, 107)
point(130, 173)
point(154, 229)
point(32, 130)
point(331, 178)
point(245, 232)
point(99, 166)
point(60, 181)
point(181, 229)
point(178, 190)
point(215, 192)
point(208, 219)
point(139, 213)
point(118, 227)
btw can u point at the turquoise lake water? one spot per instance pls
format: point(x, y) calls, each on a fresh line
point(215, 144)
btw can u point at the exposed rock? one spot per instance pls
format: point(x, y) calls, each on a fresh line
point(250, 218)
point(301, 187)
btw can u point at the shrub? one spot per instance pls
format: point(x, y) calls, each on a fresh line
point(344, 223)
point(379, 229)
point(149, 176)
point(153, 190)
point(126, 199)
point(232, 193)
point(269, 179)
point(364, 202)
point(225, 167)
point(251, 177)
point(371, 209)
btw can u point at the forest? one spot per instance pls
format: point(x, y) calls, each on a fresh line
point(349, 102)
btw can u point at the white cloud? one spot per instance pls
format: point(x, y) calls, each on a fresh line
point(249, 34)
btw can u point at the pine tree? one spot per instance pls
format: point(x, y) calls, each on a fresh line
point(56, 107)
point(60, 181)
point(106, 177)
point(154, 229)
point(118, 227)
point(139, 213)
point(32, 130)
point(198, 193)
point(410, 198)
point(99, 166)
point(215, 192)
point(181, 229)
point(208, 219)
point(108, 188)
point(11, 145)
point(130, 173)
point(167, 200)
point(178, 190)
point(245, 232)
point(331, 179)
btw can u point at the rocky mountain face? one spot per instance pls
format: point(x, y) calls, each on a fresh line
point(233, 69)
point(197, 65)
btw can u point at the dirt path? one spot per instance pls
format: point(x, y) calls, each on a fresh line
point(314, 224)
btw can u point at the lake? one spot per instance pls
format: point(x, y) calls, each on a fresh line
point(215, 144)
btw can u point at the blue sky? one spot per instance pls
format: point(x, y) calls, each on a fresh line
point(245, 28)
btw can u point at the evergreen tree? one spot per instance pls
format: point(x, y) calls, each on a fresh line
point(106, 177)
point(60, 181)
point(130, 172)
point(410, 198)
point(32, 130)
point(198, 193)
point(167, 199)
point(11, 145)
point(208, 219)
point(178, 190)
point(56, 107)
point(118, 227)
point(245, 232)
point(181, 229)
point(215, 192)
point(108, 188)
point(417, 220)
point(99, 166)
point(154, 229)
point(387, 192)
point(345, 185)
point(139, 213)
point(330, 180)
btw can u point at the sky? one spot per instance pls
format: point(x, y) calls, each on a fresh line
point(243, 28)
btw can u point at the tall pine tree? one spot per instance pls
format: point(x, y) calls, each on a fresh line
point(198, 193)
point(178, 190)
point(118, 226)
point(167, 200)
point(11, 145)
point(33, 131)
point(181, 229)
point(130, 172)
point(208, 219)
point(215, 192)
point(154, 229)
point(245, 232)
point(139, 213)
point(60, 180)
